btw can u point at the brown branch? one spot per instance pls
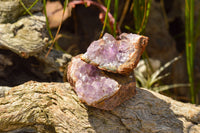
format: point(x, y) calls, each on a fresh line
point(54, 107)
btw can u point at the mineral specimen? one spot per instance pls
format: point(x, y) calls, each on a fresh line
point(118, 56)
point(103, 89)
point(97, 88)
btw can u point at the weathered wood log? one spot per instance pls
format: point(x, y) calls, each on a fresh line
point(28, 37)
point(11, 10)
point(54, 107)
point(25, 37)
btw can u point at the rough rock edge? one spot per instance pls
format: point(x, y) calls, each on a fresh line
point(130, 64)
point(126, 91)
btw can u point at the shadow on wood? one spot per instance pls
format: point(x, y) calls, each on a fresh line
point(54, 107)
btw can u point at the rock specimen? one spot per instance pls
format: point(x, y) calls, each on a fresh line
point(117, 56)
point(103, 89)
point(97, 88)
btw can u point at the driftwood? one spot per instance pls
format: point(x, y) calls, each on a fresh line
point(54, 107)
point(28, 37)
point(25, 37)
point(11, 10)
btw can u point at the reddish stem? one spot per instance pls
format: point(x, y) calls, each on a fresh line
point(100, 6)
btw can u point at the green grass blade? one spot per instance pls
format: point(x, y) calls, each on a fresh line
point(147, 12)
point(129, 28)
point(58, 30)
point(34, 3)
point(152, 81)
point(20, 1)
point(59, 27)
point(115, 16)
point(197, 32)
point(137, 14)
point(189, 42)
point(65, 4)
point(147, 6)
point(141, 12)
point(140, 77)
point(167, 87)
point(156, 73)
point(106, 18)
point(47, 21)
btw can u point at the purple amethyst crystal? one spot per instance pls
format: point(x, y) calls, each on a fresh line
point(95, 88)
point(91, 85)
point(118, 56)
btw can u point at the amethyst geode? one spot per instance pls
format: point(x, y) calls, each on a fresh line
point(117, 56)
point(107, 89)
point(97, 88)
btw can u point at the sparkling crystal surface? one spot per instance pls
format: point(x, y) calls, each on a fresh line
point(91, 85)
point(109, 52)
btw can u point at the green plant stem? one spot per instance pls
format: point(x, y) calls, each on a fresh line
point(115, 16)
point(28, 9)
point(147, 62)
point(123, 14)
point(141, 12)
point(197, 32)
point(147, 6)
point(58, 30)
point(106, 18)
point(189, 34)
point(47, 21)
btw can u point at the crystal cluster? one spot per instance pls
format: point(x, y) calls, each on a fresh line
point(118, 56)
point(91, 84)
point(102, 77)
point(98, 88)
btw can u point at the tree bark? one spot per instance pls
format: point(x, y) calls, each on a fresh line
point(54, 107)
point(11, 10)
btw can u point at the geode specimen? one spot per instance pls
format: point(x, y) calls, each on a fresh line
point(97, 88)
point(103, 89)
point(118, 56)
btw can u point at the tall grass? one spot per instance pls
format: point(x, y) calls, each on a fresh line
point(47, 20)
point(106, 17)
point(141, 10)
point(59, 27)
point(189, 42)
point(28, 9)
point(115, 16)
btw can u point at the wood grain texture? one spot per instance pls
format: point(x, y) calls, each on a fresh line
point(54, 107)
point(11, 10)
point(26, 37)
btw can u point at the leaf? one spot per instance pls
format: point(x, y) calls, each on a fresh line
point(156, 73)
point(167, 87)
